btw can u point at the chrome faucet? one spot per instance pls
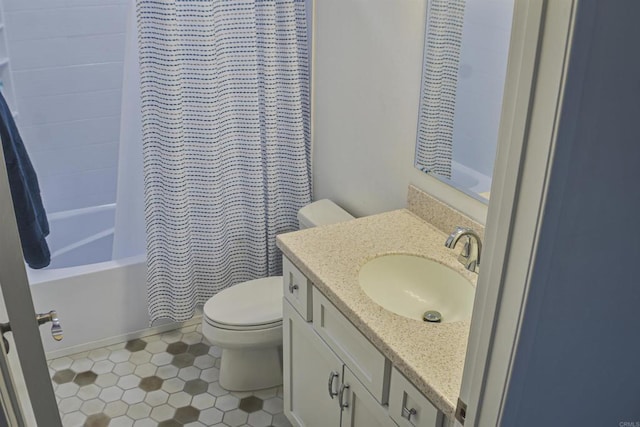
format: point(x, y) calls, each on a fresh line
point(470, 255)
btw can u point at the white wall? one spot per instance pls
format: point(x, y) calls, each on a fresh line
point(66, 57)
point(576, 360)
point(483, 66)
point(367, 72)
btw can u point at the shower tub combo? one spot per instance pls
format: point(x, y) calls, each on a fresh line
point(99, 299)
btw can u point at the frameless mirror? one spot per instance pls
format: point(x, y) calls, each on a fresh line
point(463, 76)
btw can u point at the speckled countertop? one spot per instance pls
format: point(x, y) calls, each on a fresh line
point(431, 356)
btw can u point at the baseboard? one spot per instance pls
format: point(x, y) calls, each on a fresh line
point(122, 338)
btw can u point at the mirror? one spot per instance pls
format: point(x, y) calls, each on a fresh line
point(463, 76)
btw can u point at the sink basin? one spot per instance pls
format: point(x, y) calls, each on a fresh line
point(410, 285)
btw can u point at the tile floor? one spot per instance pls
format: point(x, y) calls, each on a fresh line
point(164, 380)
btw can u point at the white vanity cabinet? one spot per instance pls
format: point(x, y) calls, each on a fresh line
point(333, 375)
point(319, 390)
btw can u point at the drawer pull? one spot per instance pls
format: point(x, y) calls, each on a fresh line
point(341, 401)
point(408, 413)
point(292, 286)
point(332, 376)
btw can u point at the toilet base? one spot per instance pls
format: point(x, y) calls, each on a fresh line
point(251, 369)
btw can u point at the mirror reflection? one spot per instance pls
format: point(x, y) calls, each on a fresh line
point(463, 76)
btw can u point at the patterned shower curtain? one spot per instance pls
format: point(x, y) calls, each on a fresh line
point(226, 142)
point(443, 40)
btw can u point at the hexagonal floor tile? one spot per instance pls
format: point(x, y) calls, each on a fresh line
point(111, 394)
point(135, 345)
point(198, 349)
point(63, 376)
point(97, 420)
point(194, 387)
point(139, 411)
point(177, 348)
point(106, 380)
point(273, 405)
point(260, 419)
point(210, 416)
point(183, 360)
point(280, 421)
point(92, 406)
point(235, 418)
point(85, 378)
point(203, 401)
point(135, 395)
point(179, 399)
point(162, 412)
point(140, 357)
point(250, 404)
point(116, 409)
point(157, 346)
point(152, 383)
point(88, 392)
point(99, 354)
point(186, 414)
point(156, 398)
point(189, 373)
point(103, 366)
point(227, 402)
point(173, 385)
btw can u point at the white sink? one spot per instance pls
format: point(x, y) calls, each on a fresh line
point(410, 285)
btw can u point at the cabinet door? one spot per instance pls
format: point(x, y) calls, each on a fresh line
point(360, 408)
point(310, 369)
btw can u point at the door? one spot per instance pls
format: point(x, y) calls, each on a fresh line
point(359, 408)
point(25, 338)
point(310, 400)
point(540, 43)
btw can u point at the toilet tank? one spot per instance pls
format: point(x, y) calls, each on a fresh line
point(321, 212)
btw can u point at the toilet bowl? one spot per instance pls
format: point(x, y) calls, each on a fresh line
point(245, 320)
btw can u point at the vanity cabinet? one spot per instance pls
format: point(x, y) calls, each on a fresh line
point(319, 390)
point(333, 375)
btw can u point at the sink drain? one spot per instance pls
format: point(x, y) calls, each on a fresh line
point(432, 316)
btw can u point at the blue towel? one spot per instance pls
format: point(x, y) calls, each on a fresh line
point(30, 215)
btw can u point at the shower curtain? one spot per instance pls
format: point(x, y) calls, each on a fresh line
point(443, 41)
point(226, 142)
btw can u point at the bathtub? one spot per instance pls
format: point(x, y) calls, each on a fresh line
point(99, 300)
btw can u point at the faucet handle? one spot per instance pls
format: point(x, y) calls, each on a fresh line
point(56, 327)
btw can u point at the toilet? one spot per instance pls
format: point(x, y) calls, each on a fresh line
point(245, 320)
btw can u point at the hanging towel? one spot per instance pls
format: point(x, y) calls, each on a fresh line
point(30, 215)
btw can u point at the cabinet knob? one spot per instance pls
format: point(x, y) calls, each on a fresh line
point(332, 376)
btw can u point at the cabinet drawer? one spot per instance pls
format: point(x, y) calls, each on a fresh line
point(357, 353)
point(297, 289)
point(405, 399)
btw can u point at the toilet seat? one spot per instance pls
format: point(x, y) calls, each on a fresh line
point(243, 327)
point(248, 306)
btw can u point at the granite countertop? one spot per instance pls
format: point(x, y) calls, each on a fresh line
point(431, 356)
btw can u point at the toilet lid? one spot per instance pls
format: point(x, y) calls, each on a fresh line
point(252, 303)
